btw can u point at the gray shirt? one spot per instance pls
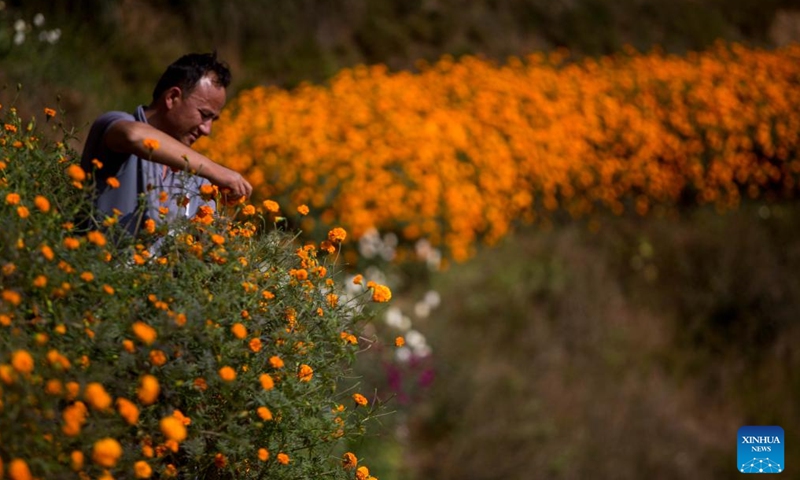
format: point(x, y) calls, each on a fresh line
point(138, 177)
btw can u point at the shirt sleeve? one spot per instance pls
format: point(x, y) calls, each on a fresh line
point(96, 148)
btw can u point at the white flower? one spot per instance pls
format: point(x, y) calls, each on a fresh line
point(38, 20)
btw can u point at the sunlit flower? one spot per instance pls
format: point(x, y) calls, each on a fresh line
point(151, 144)
point(263, 454)
point(267, 383)
point(362, 473)
point(22, 361)
point(112, 182)
point(95, 394)
point(337, 235)
point(13, 199)
point(106, 452)
point(144, 332)
point(306, 373)
point(255, 345)
point(276, 361)
point(142, 469)
point(18, 470)
point(381, 294)
point(71, 243)
point(264, 413)
point(97, 238)
point(303, 210)
point(158, 357)
point(148, 389)
point(42, 203)
point(349, 461)
point(128, 410)
point(360, 399)
point(23, 212)
point(227, 374)
point(271, 206)
point(399, 342)
point(173, 428)
point(76, 173)
point(282, 458)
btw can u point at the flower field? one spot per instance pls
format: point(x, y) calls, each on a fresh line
point(461, 151)
point(216, 349)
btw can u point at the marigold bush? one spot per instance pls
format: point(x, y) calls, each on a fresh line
point(161, 355)
point(462, 150)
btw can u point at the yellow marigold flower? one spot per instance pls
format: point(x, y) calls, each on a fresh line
point(128, 410)
point(227, 374)
point(263, 454)
point(349, 461)
point(151, 144)
point(12, 297)
point(42, 203)
point(381, 294)
point(148, 389)
point(22, 361)
point(362, 473)
point(112, 182)
point(283, 459)
point(18, 470)
point(23, 212)
point(142, 469)
point(173, 428)
point(264, 413)
point(158, 357)
point(96, 238)
point(399, 341)
point(306, 373)
point(76, 173)
point(360, 399)
point(337, 235)
point(267, 383)
point(144, 332)
point(255, 345)
point(40, 281)
point(71, 243)
point(76, 460)
point(271, 206)
point(302, 210)
point(96, 396)
point(13, 199)
point(106, 452)
point(276, 361)
point(49, 113)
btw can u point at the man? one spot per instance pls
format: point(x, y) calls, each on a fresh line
point(149, 152)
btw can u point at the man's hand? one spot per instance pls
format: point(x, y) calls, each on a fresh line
point(230, 182)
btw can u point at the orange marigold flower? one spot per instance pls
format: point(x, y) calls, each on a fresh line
point(327, 246)
point(399, 341)
point(76, 173)
point(158, 357)
point(12, 297)
point(249, 210)
point(302, 209)
point(332, 299)
point(276, 361)
point(148, 389)
point(306, 373)
point(47, 252)
point(381, 294)
point(22, 361)
point(282, 458)
point(349, 338)
point(239, 331)
point(264, 413)
point(142, 469)
point(18, 470)
point(360, 399)
point(151, 144)
point(13, 199)
point(173, 428)
point(150, 226)
point(97, 163)
point(97, 238)
point(112, 182)
point(40, 281)
point(263, 454)
point(271, 206)
point(337, 235)
point(255, 345)
point(108, 289)
point(106, 452)
point(49, 113)
point(227, 374)
point(208, 191)
point(76, 460)
point(349, 461)
point(144, 332)
point(23, 212)
point(53, 387)
point(128, 410)
point(220, 460)
point(362, 473)
point(267, 383)
point(73, 389)
point(71, 243)
point(42, 203)
point(87, 276)
point(96, 396)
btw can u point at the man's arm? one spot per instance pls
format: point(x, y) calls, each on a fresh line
point(128, 137)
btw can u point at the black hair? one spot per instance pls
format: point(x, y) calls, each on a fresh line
point(186, 71)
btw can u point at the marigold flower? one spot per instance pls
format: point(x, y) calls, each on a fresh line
point(349, 461)
point(362, 473)
point(151, 144)
point(128, 410)
point(217, 239)
point(87, 276)
point(282, 458)
point(76, 173)
point(381, 294)
point(332, 299)
point(71, 243)
point(76, 460)
point(22, 361)
point(255, 345)
point(142, 469)
point(349, 338)
point(106, 452)
point(263, 454)
point(73, 389)
point(220, 460)
point(337, 235)
point(227, 374)
point(23, 212)
point(40, 281)
point(173, 428)
point(18, 470)
point(271, 206)
point(208, 191)
point(144, 332)
point(276, 361)
point(47, 252)
point(267, 383)
point(171, 471)
point(13, 199)
point(95, 394)
point(5, 320)
point(249, 210)
point(12, 297)
point(303, 210)
point(399, 341)
point(108, 289)
point(306, 373)
point(7, 374)
point(327, 246)
point(112, 182)
point(158, 357)
point(49, 113)
point(97, 164)
point(360, 399)
point(96, 238)
point(264, 413)
point(42, 203)
point(148, 389)
point(53, 387)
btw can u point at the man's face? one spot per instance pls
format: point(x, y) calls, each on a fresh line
point(190, 116)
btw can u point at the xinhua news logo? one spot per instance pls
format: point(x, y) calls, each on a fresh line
point(760, 450)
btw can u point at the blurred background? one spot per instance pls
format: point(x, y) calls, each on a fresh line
point(632, 349)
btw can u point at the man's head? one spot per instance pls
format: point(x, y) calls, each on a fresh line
point(190, 95)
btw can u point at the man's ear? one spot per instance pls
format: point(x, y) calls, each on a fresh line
point(172, 97)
